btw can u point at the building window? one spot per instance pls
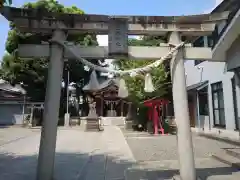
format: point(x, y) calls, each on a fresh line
point(210, 41)
point(203, 102)
point(200, 42)
point(196, 62)
point(218, 105)
point(235, 103)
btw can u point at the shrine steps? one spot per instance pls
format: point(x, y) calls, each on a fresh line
point(92, 125)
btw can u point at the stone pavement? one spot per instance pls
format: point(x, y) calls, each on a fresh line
point(79, 155)
point(106, 155)
point(11, 134)
point(157, 157)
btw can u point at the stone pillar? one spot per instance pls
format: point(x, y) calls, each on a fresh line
point(184, 136)
point(129, 113)
point(46, 156)
point(31, 116)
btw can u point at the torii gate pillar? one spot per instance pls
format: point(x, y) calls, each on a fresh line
point(184, 136)
point(46, 155)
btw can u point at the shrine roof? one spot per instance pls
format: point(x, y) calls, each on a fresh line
point(103, 84)
point(5, 86)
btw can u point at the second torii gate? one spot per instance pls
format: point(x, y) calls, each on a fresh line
point(118, 28)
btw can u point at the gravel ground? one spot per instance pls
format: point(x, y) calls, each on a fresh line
point(157, 158)
point(146, 147)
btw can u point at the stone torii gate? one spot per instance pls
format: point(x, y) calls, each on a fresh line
point(177, 28)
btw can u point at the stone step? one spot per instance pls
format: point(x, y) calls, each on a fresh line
point(235, 152)
point(225, 158)
point(92, 130)
point(92, 126)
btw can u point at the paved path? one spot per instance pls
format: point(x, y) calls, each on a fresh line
point(106, 155)
point(79, 155)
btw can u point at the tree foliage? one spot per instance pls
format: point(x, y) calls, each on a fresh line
point(33, 72)
point(5, 2)
point(160, 75)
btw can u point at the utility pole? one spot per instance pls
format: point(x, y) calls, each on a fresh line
point(67, 116)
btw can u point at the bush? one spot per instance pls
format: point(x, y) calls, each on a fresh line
point(142, 116)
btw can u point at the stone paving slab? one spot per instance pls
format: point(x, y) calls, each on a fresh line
point(11, 134)
point(79, 155)
point(103, 155)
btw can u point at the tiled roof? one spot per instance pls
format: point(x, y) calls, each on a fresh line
point(4, 85)
point(196, 86)
point(104, 84)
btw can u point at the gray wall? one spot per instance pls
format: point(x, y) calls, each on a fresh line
point(11, 114)
point(233, 55)
point(213, 72)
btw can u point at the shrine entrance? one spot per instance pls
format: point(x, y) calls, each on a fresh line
point(180, 31)
point(108, 103)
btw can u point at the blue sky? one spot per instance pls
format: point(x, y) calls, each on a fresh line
point(124, 7)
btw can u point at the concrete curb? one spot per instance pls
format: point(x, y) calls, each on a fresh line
point(177, 177)
point(222, 139)
point(225, 161)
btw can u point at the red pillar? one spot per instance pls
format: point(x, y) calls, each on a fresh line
point(155, 120)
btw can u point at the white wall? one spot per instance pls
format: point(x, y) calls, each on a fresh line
point(233, 61)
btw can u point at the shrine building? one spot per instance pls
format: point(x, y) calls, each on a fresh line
point(108, 103)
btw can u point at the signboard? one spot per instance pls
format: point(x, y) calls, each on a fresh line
point(118, 38)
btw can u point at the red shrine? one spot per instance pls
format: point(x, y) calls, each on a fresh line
point(157, 108)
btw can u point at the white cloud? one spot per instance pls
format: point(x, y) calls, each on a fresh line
point(216, 3)
point(102, 40)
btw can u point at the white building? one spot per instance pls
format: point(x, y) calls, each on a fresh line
point(213, 88)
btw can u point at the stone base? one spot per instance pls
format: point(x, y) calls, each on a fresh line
point(66, 119)
point(128, 125)
point(75, 121)
point(92, 124)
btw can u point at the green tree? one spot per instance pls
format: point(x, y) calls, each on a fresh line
point(160, 75)
point(5, 2)
point(33, 72)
